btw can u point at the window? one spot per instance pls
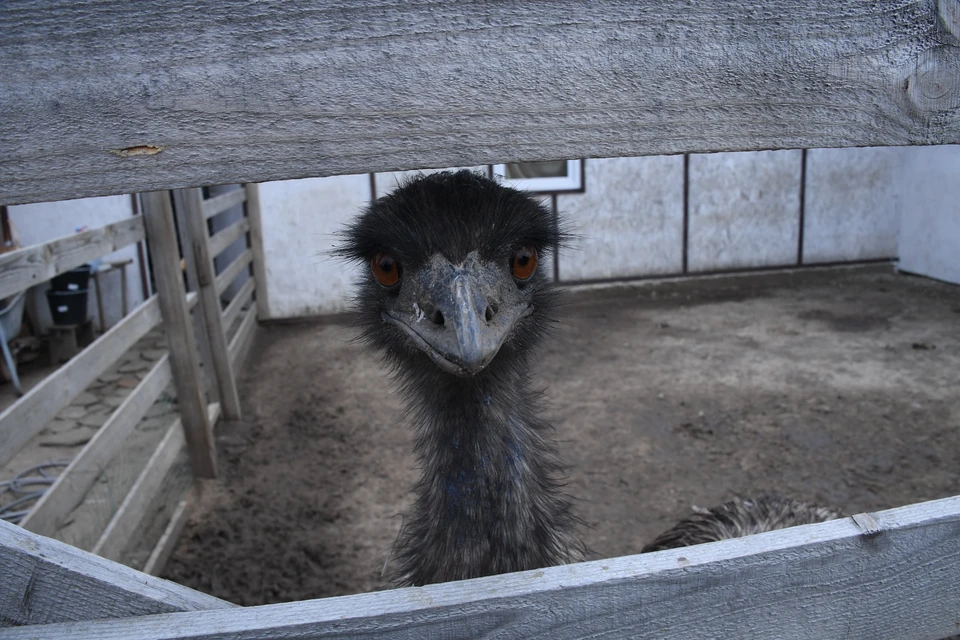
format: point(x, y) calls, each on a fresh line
point(542, 177)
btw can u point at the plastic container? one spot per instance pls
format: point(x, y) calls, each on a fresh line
point(68, 307)
point(73, 280)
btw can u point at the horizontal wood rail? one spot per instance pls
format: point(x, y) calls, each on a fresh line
point(23, 268)
point(226, 237)
point(168, 540)
point(316, 89)
point(236, 305)
point(143, 494)
point(75, 481)
point(54, 582)
point(223, 202)
point(242, 340)
point(228, 275)
point(897, 579)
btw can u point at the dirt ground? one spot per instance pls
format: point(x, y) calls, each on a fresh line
point(839, 387)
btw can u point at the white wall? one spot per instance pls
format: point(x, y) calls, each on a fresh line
point(930, 226)
point(300, 221)
point(42, 222)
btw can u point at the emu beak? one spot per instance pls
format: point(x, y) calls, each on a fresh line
point(462, 320)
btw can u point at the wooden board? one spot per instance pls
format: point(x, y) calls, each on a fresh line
point(240, 344)
point(228, 236)
point(223, 202)
point(311, 89)
point(168, 541)
point(143, 494)
point(46, 581)
point(165, 259)
point(75, 481)
point(898, 579)
point(256, 246)
point(27, 416)
point(233, 309)
point(38, 263)
point(228, 275)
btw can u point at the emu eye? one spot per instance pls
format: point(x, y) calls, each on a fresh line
point(524, 263)
point(385, 269)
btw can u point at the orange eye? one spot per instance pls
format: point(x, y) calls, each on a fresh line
point(524, 263)
point(385, 269)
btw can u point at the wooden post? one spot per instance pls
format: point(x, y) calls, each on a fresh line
point(184, 231)
point(190, 202)
point(162, 242)
point(256, 246)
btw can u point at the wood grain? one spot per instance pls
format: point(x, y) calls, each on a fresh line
point(218, 204)
point(228, 275)
point(46, 581)
point(233, 309)
point(228, 236)
point(32, 265)
point(256, 92)
point(826, 581)
point(75, 481)
point(182, 345)
point(256, 246)
point(27, 416)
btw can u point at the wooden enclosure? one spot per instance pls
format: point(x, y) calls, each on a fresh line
point(205, 93)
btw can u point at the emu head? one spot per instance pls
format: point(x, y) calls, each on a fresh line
point(454, 273)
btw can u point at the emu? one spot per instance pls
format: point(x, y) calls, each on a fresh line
point(455, 301)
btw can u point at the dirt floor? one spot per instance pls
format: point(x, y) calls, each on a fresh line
point(834, 387)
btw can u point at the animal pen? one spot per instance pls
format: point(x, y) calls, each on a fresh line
point(103, 99)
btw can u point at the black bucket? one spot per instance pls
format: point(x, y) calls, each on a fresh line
point(68, 307)
point(73, 280)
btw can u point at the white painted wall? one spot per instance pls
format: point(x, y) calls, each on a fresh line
point(930, 226)
point(300, 221)
point(42, 222)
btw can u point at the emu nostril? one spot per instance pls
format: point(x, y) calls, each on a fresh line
point(437, 317)
point(490, 312)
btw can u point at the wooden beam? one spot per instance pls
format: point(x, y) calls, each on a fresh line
point(312, 89)
point(143, 494)
point(38, 263)
point(223, 202)
point(28, 415)
point(226, 237)
point(228, 275)
point(162, 551)
point(189, 201)
point(243, 339)
point(75, 481)
point(46, 581)
point(256, 246)
point(233, 309)
point(828, 581)
point(162, 242)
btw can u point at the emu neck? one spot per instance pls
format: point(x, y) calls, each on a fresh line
point(488, 500)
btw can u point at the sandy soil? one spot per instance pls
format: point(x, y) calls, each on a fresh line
point(838, 388)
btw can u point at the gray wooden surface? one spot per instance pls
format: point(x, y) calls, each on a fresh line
point(162, 551)
point(233, 309)
point(73, 484)
point(46, 581)
point(181, 342)
point(223, 202)
point(253, 92)
point(223, 239)
point(27, 416)
point(228, 275)
point(825, 581)
point(256, 246)
point(38, 263)
point(201, 247)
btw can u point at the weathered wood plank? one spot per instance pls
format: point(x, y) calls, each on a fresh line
point(309, 89)
point(228, 275)
point(26, 417)
point(72, 485)
point(143, 494)
point(825, 581)
point(162, 240)
point(224, 238)
point(233, 309)
point(241, 342)
point(38, 263)
point(218, 204)
point(46, 581)
point(256, 246)
point(190, 201)
point(168, 541)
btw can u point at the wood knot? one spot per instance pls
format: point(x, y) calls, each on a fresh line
point(935, 84)
point(949, 14)
point(139, 150)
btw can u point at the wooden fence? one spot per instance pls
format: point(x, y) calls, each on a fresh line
point(305, 90)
